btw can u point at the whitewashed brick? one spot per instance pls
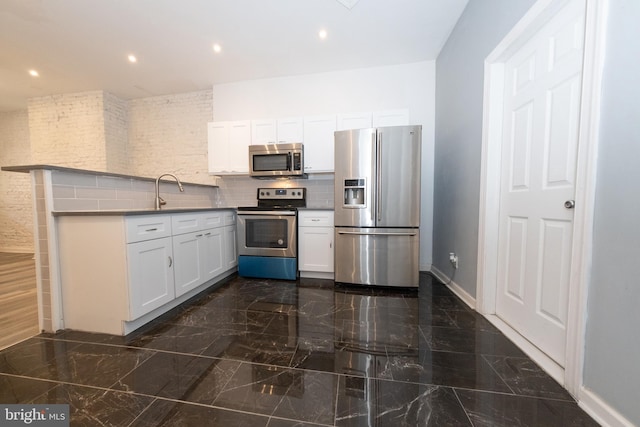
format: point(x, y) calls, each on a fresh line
point(168, 134)
point(143, 137)
point(16, 210)
point(68, 130)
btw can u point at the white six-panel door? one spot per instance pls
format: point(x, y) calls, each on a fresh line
point(539, 140)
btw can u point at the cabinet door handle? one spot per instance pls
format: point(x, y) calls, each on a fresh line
point(356, 233)
point(330, 245)
point(170, 262)
point(152, 229)
point(207, 234)
point(379, 183)
point(199, 235)
point(315, 219)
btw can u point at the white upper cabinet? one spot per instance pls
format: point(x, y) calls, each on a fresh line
point(276, 131)
point(354, 121)
point(228, 147)
point(390, 118)
point(263, 131)
point(318, 143)
point(218, 146)
point(290, 130)
point(239, 141)
point(229, 140)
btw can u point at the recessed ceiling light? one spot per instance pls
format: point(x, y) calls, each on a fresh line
point(34, 73)
point(217, 48)
point(322, 34)
point(132, 59)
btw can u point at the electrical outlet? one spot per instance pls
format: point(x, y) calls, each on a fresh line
point(453, 259)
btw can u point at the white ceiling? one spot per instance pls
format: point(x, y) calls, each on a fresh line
point(81, 45)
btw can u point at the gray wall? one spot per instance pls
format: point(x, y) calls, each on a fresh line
point(458, 140)
point(612, 360)
point(612, 354)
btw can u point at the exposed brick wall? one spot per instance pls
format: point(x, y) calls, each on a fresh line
point(116, 124)
point(168, 134)
point(16, 211)
point(98, 131)
point(68, 130)
point(143, 137)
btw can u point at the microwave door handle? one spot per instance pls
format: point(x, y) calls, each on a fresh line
point(289, 161)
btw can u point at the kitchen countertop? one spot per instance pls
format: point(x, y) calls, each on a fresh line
point(137, 211)
point(312, 208)
point(29, 168)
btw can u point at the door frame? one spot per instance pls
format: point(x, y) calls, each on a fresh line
point(594, 48)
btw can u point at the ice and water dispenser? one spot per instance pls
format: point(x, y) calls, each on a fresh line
point(354, 193)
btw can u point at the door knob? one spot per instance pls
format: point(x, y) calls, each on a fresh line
point(570, 204)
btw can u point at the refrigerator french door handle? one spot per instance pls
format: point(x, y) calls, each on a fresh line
point(379, 178)
point(373, 233)
point(374, 205)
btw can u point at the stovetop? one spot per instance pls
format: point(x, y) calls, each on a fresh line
point(269, 208)
point(279, 199)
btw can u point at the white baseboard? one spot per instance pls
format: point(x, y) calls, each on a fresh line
point(592, 404)
point(455, 288)
point(316, 275)
point(600, 410)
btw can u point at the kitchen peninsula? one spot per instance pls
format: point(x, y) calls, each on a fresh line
point(70, 196)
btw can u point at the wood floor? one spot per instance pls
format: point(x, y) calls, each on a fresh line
point(18, 299)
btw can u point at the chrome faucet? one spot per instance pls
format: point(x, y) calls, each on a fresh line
point(159, 200)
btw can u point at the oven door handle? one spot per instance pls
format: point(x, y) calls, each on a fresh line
point(268, 213)
point(371, 233)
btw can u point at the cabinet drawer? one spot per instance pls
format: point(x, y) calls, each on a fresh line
point(147, 227)
point(186, 223)
point(315, 218)
point(211, 219)
point(229, 218)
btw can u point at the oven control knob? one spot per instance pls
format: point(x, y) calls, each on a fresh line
point(268, 194)
point(262, 193)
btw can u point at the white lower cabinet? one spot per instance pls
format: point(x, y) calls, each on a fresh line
point(198, 258)
point(119, 272)
point(151, 280)
point(230, 246)
point(230, 259)
point(315, 243)
point(213, 253)
point(188, 252)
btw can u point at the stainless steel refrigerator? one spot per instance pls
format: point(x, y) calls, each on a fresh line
point(377, 206)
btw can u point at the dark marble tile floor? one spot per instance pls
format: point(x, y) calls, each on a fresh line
point(257, 352)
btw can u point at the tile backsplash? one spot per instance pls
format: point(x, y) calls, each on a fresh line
point(237, 191)
point(91, 191)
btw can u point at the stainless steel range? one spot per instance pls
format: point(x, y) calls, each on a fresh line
point(267, 234)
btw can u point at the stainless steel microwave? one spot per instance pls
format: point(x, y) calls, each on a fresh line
point(276, 160)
